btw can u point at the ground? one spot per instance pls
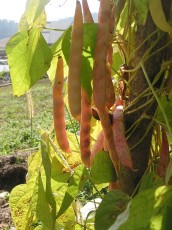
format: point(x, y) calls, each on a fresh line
point(13, 170)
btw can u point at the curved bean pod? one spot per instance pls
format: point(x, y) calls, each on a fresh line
point(121, 145)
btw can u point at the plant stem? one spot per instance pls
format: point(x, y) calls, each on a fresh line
point(158, 100)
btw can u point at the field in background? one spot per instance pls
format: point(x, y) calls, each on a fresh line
point(17, 130)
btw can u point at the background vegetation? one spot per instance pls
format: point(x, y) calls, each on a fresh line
point(20, 131)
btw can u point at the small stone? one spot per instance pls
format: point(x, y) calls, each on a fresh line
point(4, 195)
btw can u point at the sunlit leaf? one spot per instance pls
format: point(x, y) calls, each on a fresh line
point(73, 159)
point(34, 164)
point(74, 142)
point(34, 14)
point(95, 130)
point(111, 206)
point(20, 198)
point(56, 51)
point(29, 58)
point(67, 220)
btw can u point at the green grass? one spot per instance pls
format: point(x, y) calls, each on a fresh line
point(17, 130)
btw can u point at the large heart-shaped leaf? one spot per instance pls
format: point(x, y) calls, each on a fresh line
point(29, 59)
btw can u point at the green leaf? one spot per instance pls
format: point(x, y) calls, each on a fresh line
point(66, 44)
point(168, 173)
point(119, 8)
point(142, 9)
point(78, 227)
point(150, 180)
point(90, 31)
point(22, 205)
point(34, 164)
point(117, 61)
point(59, 193)
point(34, 14)
point(40, 227)
point(158, 16)
point(122, 218)
point(111, 206)
point(43, 210)
point(150, 209)
point(57, 172)
point(123, 15)
point(76, 182)
point(20, 198)
point(29, 59)
point(56, 50)
point(67, 220)
point(45, 152)
point(56, 176)
point(102, 169)
point(167, 106)
point(73, 142)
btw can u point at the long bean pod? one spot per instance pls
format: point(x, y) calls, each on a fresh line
point(75, 64)
point(58, 108)
point(108, 134)
point(99, 67)
point(85, 127)
point(121, 145)
point(86, 12)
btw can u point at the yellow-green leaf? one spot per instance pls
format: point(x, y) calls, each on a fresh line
point(20, 198)
point(43, 210)
point(158, 16)
point(76, 182)
point(34, 14)
point(29, 59)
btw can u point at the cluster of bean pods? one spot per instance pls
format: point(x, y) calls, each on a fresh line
point(112, 137)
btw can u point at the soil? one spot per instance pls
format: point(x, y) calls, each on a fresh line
point(13, 170)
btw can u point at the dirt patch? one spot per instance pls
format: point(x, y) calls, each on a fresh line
point(13, 170)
